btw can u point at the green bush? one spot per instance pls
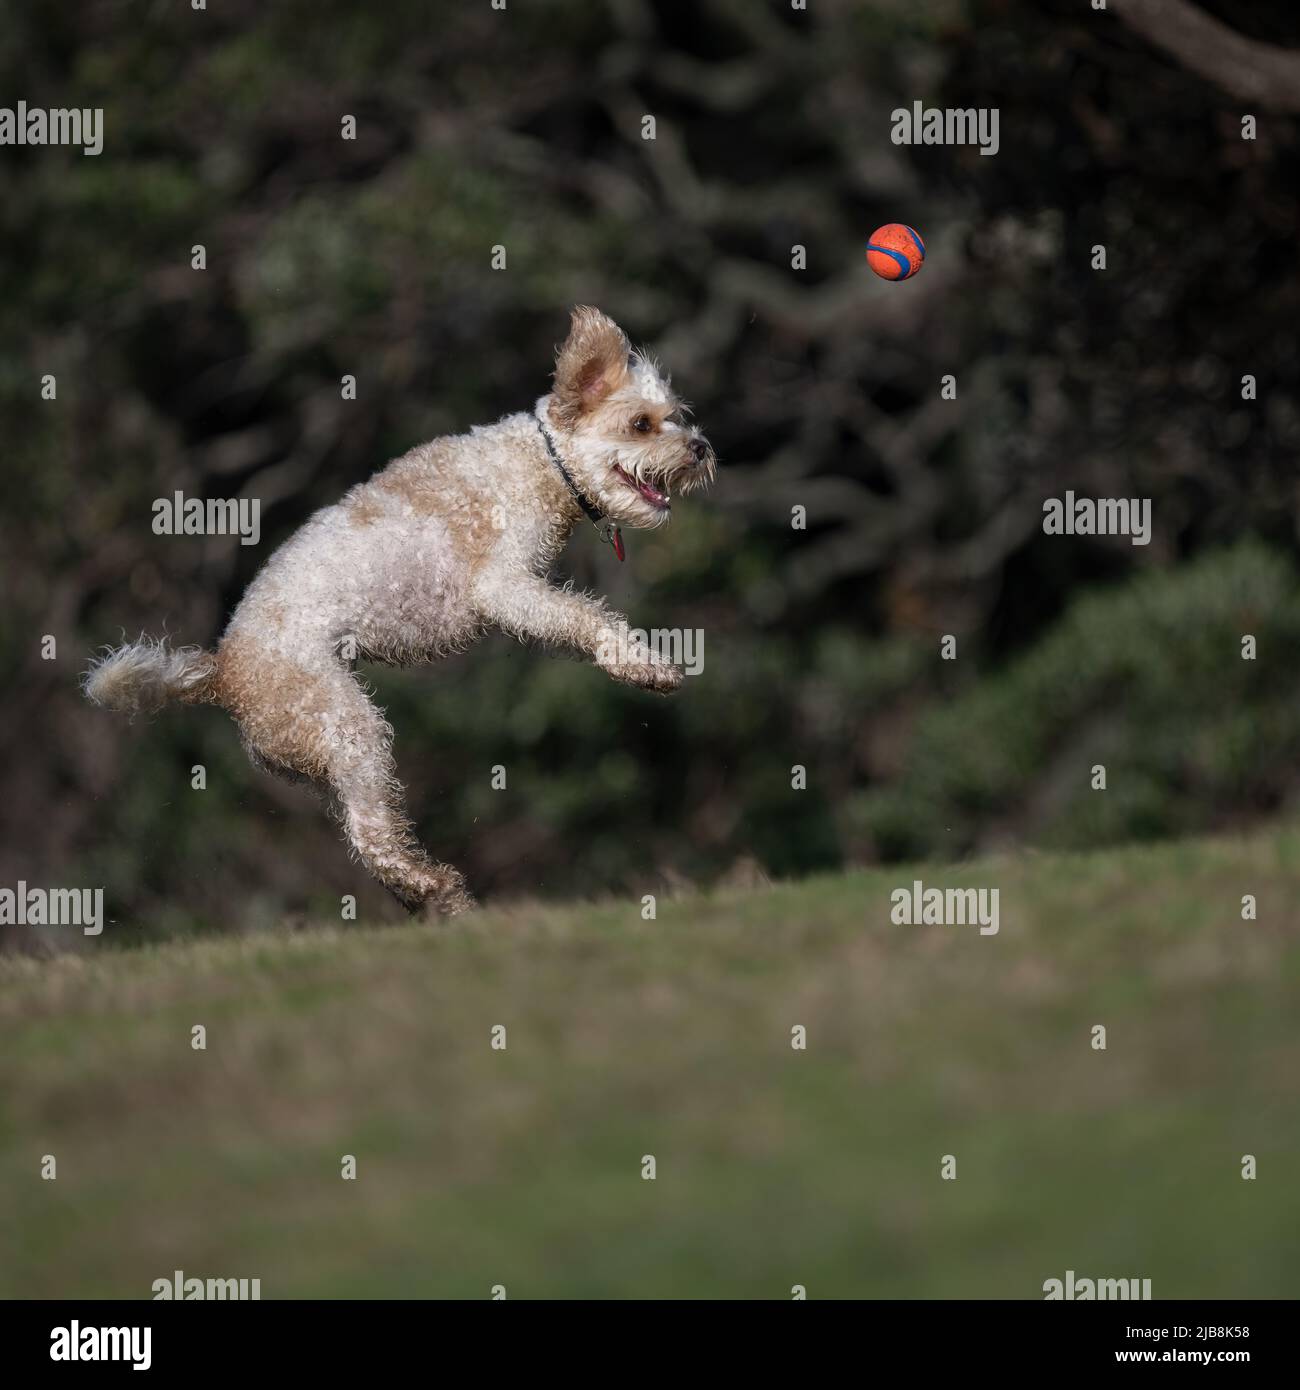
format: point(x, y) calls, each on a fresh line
point(1149, 681)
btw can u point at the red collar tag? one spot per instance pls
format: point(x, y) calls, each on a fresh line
point(611, 535)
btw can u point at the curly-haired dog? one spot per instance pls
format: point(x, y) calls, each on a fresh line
point(452, 540)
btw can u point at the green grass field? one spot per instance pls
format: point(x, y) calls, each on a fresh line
point(775, 1167)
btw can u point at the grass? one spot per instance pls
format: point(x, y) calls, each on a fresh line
point(775, 1167)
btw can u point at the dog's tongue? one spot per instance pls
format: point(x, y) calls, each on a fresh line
point(647, 490)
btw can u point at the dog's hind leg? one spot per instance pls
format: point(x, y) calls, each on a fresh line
point(369, 806)
point(319, 724)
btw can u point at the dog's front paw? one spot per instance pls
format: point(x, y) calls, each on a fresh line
point(626, 656)
point(662, 677)
point(647, 672)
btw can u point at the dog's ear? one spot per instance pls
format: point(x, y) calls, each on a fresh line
point(590, 364)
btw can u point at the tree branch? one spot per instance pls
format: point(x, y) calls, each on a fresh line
point(1245, 68)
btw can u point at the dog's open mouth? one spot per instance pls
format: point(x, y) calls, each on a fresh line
point(652, 494)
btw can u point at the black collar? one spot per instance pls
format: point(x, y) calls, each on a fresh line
point(608, 531)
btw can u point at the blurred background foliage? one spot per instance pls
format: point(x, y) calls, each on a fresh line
point(820, 388)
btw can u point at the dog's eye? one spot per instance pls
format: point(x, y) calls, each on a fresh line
point(641, 424)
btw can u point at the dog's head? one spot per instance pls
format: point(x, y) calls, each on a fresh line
point(622, 433)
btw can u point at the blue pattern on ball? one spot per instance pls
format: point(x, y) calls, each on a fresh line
point(904, 268)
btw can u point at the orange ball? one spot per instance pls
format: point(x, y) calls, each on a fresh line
point(895, 251)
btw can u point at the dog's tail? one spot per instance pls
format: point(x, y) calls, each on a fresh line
point(142, 676)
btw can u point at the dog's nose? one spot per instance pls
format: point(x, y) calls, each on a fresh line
point(700, 448)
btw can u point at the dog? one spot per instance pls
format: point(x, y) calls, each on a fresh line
point(451, 541)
